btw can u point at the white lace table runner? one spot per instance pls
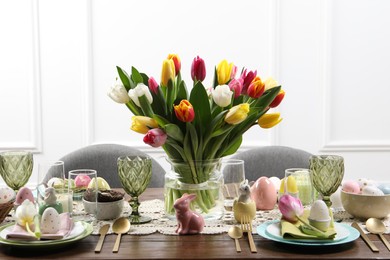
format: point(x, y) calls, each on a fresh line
point(161, 224)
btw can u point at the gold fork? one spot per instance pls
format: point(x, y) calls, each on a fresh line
point(246, 226)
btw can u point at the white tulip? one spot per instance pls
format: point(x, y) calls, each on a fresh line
point(140, 90)
point(118, 93)
point(222, 95)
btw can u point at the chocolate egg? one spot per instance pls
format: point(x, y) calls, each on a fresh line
point(264, 194)
point(50, 221)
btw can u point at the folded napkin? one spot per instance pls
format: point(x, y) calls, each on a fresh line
point(294, 230)
point(66, 226)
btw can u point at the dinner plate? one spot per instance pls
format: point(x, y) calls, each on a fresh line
point(81, 230)
point(271, 230)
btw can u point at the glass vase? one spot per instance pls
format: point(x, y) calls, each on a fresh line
point(202, 178)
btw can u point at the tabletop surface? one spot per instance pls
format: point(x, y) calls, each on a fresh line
point(159, 246)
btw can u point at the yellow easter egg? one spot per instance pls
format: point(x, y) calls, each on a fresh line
point(292, 185)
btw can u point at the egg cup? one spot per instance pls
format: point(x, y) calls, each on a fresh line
point(322, 225)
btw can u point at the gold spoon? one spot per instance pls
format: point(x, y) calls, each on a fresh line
point(376, 226)
point(120, 226)
point(235, 232)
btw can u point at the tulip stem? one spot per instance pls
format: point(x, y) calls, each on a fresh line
point(322, 233)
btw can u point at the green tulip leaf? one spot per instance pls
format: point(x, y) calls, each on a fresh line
point(200, 101)
point(182, 91)
point(174, 131)
point(124, 77)
point(160, 120)
point(136, 76)
point(233, 147)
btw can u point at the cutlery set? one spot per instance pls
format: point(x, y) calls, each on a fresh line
point(120, 226)
point(375, 226)
point(236, 232)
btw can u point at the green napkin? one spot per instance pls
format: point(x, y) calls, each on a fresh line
point(294, 230)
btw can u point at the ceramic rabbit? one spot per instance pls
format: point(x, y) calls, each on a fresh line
point(189, 222)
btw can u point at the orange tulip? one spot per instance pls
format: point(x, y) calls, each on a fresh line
point(185, 111)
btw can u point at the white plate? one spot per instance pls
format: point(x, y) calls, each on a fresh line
point(271, 230)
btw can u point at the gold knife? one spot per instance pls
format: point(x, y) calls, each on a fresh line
point(365, 237)
point(103, 231)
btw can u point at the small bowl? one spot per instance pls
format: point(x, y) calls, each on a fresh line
point(366, 206)
point(322, 225)
point(105, 210)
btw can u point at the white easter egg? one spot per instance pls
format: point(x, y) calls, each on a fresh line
point(319, 211)
point(364, 182)
point(50, 221)
point(6, 194)
point(372, 190)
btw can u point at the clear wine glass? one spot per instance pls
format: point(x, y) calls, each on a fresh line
point(16, 168)
point(135, 173)
point(327, 172)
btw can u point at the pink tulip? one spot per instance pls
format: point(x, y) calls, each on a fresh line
point(247, 78)
point(236, 86)
point(198, 69)
point(234, 72)
point(155, 137)
point(153, 86)
point(290, 207)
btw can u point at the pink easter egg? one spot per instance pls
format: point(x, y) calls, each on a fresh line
point(351, 187)
point(263, 193)
point(22, 195)
point(82, 180)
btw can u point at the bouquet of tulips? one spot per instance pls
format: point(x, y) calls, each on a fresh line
point(204, 124)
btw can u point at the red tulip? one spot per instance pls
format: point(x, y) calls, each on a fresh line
point(185, 111)
point(278, 99)
point(198, 69)
point(155, 137)
point(247, 78)
point(256, 88)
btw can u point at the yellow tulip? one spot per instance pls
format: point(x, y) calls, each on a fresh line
point(237, 114)
point(270, 83)
point(142, 124)
point(224, 72)
point(176, 61)
point(269, 120)
point(167, 72)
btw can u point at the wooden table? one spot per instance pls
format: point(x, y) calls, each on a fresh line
point(158, 246)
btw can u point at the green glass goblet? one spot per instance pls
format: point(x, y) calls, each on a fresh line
point(327, 172)
point(16, 168)
point(135, 173)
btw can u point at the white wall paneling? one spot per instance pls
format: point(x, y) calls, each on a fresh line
point(58, 59)
point(20, 77)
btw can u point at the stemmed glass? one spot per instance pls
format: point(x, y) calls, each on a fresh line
point(327, 172)
point(135, 173)
point(16, 168)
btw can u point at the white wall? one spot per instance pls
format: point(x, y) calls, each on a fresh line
point(332, 58)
